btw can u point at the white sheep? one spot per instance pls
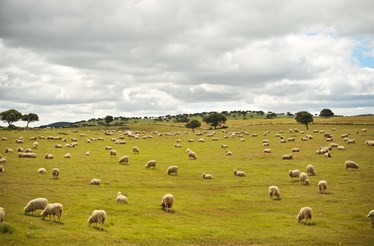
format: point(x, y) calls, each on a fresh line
point(306, 182)
point(97, 216)
point(42, 170)
point(54, 209)
point(294, 173)
point(2, 214)
point(351, 164)
point(172, 170)
point(207, 176)
point(341, 147)
point(67, 155)
point(124, 160)
point(121, 198)
point(88, 153)
point(287, 157)
point(295, 150)
point(267, 150)
point(8, 150)
point(95, 182)
point(55, 173)
point(274, 191)
point(2, 169)
point(135, 150)
point(151, 163)
point(311, 170)
point(371, 216)
point(305, 213)
point(113, 152)
point(369, 142)
point(192, 155)
point(328, 154)
point(37, 203)
point(167, 202)
point(322, 186)
point(239, 173)
point(228, 153)
point(303, 177)
point(48, 156)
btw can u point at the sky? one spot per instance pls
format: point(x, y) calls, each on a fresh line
point(76, 60)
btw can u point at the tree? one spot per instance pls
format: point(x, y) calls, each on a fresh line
point(215, 119)
point(304, 117)
point(31, 117)
point(193, 124)
point(108, 119)
point(326, 113)
point(10, 116)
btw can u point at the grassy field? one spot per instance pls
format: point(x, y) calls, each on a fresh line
point(227, 210)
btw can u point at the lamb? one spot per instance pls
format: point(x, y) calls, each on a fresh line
point(167, 202)
point(95, 182)
point(294, 173)
point(113, 152)
point(55, 172)
point(124, 160)
point(172, 170)
point(2, 214)
point(135, 150)
point(38, 203)
point(351, 164)
point(287, 157)
point(303, 177)
point(371, 216)
point(67, 155)
point(274, 191)
point(42, 170)
point(239, 173)
point(311, 170)
point(121, 198)
point(322, 186)
point(48, 156)
point(97, 216)
point(305, 213)
point(207, 176)
point(52, 209)
point(151, 163)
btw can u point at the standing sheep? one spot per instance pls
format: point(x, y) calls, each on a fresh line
point(124, 160)
point(322, 186)
point(303, 177)
point(172, 170)
point(311, 170)
point(371, 216)
point(67, 155)
point(95, 182)
point(192, 155)
point(305, 213)
point(42, 170)
point(2, 214)
point(37, 203)
point(167, 202)
point(121, 198)
point(52, 209)
point(48, 156)
point(113, 152)
point(351, 164)
point(274, 191)
point(55, 173)
point(135, 150)
point(287, 157)
point(294, 173)
point(151, 163)
point(239, 173)
point(97, 216)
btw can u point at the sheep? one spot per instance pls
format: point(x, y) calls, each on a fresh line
point(371, 216)
point(351, 141)
point(135, 150)
point(26, 155)
point(294, 173)
point(37, 203)
point(274, 191)
point(224, 146)
point(52, 209)
point(8, 150)
point(124, 160)
point(55, 173)
point(3, 159)
point(267, 150)
point(287, 157)
point(167, 202)
point(121, 198)
point(306, 182)
point(58, 146)
point(95, 182)
point(88, 153)
point(42, 170)
point(108, 148)
point(2, 214)
point(192, 155)
point(48, 156)
point(172, 170)
point(67, 155)
point(305, 213)
point(322, 186)
point(35, 145)
point(2, 169)
point(303, 177)
point(239, 173)
point(97, 216)
point(151, 163)
point(207, 176)
point(311, 170)
point(295, 150)
point(228, 153)
point(113, 152)
point(341, 147)
point(178, 146)
point(369, 142)
point(351, 164)
point(328, 154)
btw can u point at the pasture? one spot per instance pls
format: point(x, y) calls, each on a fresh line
point(226, 210)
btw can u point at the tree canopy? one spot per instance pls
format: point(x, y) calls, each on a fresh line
point(10, 116)
point(31, 117)
point(108, 119)
point(215, 119)
point(304, 117)
point(326, 113)
point(193, 124)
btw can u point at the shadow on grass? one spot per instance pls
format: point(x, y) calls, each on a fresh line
point(98, 228)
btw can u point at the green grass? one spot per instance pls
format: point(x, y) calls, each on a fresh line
point(225, 210)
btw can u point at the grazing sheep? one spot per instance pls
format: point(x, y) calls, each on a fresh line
point(178, 146)
point(48, 156)
point(287, 157)
point(207, 176)
point(306, 182)
point(369, 142)
point(58, 146)
point(351, 164)
point(135, 150)
point(305, 213)
point(328, 154)
point(67, 155)
point(311, 169)
point(295, 150)
point(201, 140)
point(42, 170)
point(224, 146)
point(121, 198)
point(322, 186)
point(37, 203)
point(95, 182)
point(172, 170)
point(294, 173)
point(151, 163)
point(303, 177)
point(113, 152)
point(228, 153)
point(52, 209)
point(351, 141)
point(267, 150)
point(274, 191)
point(35, 145)
point(55, 173)
point(124, 160)
point(2, 214)
point(108, 148)
point(8, 150)
point(97, 216)
point(341, 147)
point(167, 202)
point(371, 216)
point(3, 159)
point(2, 169)
point(239, 173)
point(88, 153)
point(192, 155)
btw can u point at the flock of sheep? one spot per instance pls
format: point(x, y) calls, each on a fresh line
point(167, 201)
